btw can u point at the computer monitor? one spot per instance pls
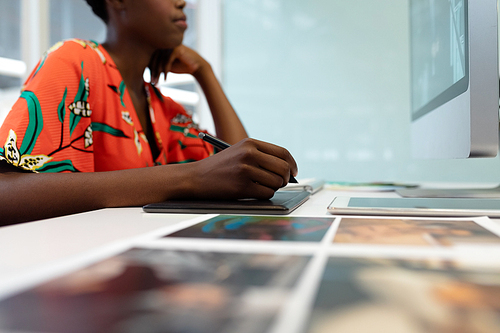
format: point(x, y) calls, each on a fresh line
point(454, 81)
point(454, 78)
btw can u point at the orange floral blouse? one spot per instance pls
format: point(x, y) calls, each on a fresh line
point(75, 115)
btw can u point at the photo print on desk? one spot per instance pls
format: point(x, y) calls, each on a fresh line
point(418, 296)
point(273, 228)
point(152, 290)
point(415, 232)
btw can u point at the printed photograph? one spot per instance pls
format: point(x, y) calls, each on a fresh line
point(275, 228)
point(144, 290)
point(379, 295)
point(416, 232)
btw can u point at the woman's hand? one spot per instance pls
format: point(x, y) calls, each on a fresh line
point(248, 169)
point(181, 60)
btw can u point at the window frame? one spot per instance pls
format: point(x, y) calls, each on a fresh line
point(34, 39)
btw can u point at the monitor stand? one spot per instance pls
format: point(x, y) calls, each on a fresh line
point(474, 193)
point(471, 193)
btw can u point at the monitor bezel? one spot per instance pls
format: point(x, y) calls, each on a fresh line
point(467, 125)
point(456, 89)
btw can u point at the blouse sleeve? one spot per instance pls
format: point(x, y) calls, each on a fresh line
point(176, 132)
point(184, 144)
point(48, 128)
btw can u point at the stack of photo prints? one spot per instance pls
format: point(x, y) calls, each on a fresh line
point(249, 274)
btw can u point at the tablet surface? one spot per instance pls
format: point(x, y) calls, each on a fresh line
point(451, 207)
point(281, 204)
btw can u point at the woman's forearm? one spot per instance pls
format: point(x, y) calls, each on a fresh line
point(227, 123)
point(248, 169)
point(27, 196)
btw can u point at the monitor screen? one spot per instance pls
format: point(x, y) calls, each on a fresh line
point(438, 51)
point(454, 78)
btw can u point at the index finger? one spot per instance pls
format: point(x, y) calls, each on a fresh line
point(280, 152)
point(171, 58)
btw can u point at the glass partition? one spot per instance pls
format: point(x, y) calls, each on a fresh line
point(10, 46)
point(329, 80)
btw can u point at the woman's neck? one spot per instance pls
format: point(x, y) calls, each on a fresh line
point(131, 59)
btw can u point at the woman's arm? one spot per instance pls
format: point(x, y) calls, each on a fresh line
point(29, 196)
point(227, 123)
point(185, 60)
point(248, 169)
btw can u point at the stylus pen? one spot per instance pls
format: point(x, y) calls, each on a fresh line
point(223, 145)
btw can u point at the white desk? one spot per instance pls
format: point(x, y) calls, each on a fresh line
point(36, 251)
point(35, 244)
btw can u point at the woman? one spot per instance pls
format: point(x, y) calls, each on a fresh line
point(113, 140)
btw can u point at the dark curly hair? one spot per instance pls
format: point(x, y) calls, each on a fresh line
point(99, 8)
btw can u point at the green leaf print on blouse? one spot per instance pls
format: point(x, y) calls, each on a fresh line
point(80, 107)
point(121, 90)
point(100, 127)
point(183, 129)
point(61, 110)
point(21, 157)
point(57, 166)
point(35, 124)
